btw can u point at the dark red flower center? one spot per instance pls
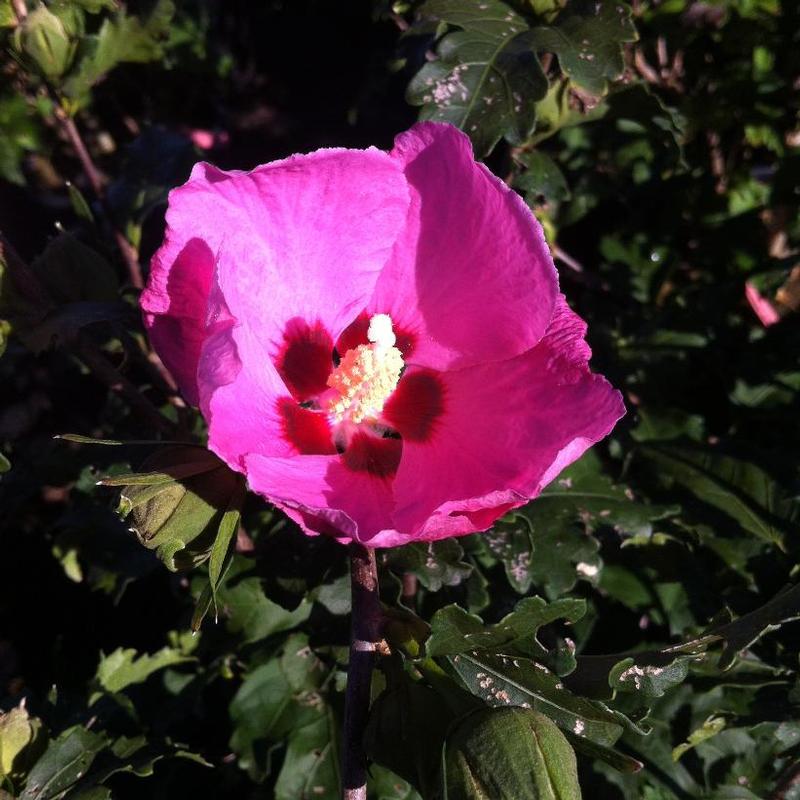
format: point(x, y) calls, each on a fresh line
point(312, 420)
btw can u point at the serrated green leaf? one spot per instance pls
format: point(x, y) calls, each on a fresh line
point(436, 564)
point(383, 784)
point(124, 667)
point(311, 765)
point(487, 79)
point(454, 630)
point(178, 502)
point(542, 544)
point(588, 38)
point(121, 38)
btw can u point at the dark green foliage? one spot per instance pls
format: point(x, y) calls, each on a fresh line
point(633, 630)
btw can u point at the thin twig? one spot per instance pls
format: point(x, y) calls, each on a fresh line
point(126, 249)
point(365, 635)
point(104, 370)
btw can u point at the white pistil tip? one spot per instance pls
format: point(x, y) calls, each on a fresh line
point(366, 375)
point(380, 331)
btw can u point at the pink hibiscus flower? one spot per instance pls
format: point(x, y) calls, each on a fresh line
point(376, 340)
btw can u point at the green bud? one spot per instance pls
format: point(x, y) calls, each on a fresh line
point(176, 504)
point(509, 754)
point(45, 40)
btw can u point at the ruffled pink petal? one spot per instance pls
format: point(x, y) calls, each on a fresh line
point(306, 239)
point(323, 495)
point(506, 430)
point(471, 277)
point(175, 300)
point(295, 242)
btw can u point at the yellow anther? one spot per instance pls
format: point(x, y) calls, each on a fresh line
point(366, 375)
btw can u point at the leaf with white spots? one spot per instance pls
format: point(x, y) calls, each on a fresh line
point(587, 39)
point(504, 680)
point(63, 764)
point(487, 78)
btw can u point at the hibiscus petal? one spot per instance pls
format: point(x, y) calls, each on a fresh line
point(242, 400)
point(471, 277)
point(507, 429)
point(296, 241)
point(175, 300)
point(307, 238)
point(323, 495)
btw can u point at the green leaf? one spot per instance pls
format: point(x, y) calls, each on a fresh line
point(383, 784)
point(121, 38)
point(21, 134)
point(742, 633)
point(79, 204)
point(509, 754)
point(542, 543)
point(65, 761)
point(542, 178)
point(614, 758)
point(22, 739)
point(737, 488)
point(79, 439)
point(557, 555)
point(648, 679)
point(278, 701)
point(487, 78)
point(710, 728)
point(311, 765)
point(71, 272)
point(8, 19)
point(501, 680)
point(588, 38)
point(436, 564)
point(124, 668)
point(249, 612)
point(454, 630)
point(585, 492)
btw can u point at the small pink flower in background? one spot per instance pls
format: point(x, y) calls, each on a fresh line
point(207, 140)
point(763, 309)
point(376, 340)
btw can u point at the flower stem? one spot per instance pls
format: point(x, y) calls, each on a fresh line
point(128, 252)
point(365, 633)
